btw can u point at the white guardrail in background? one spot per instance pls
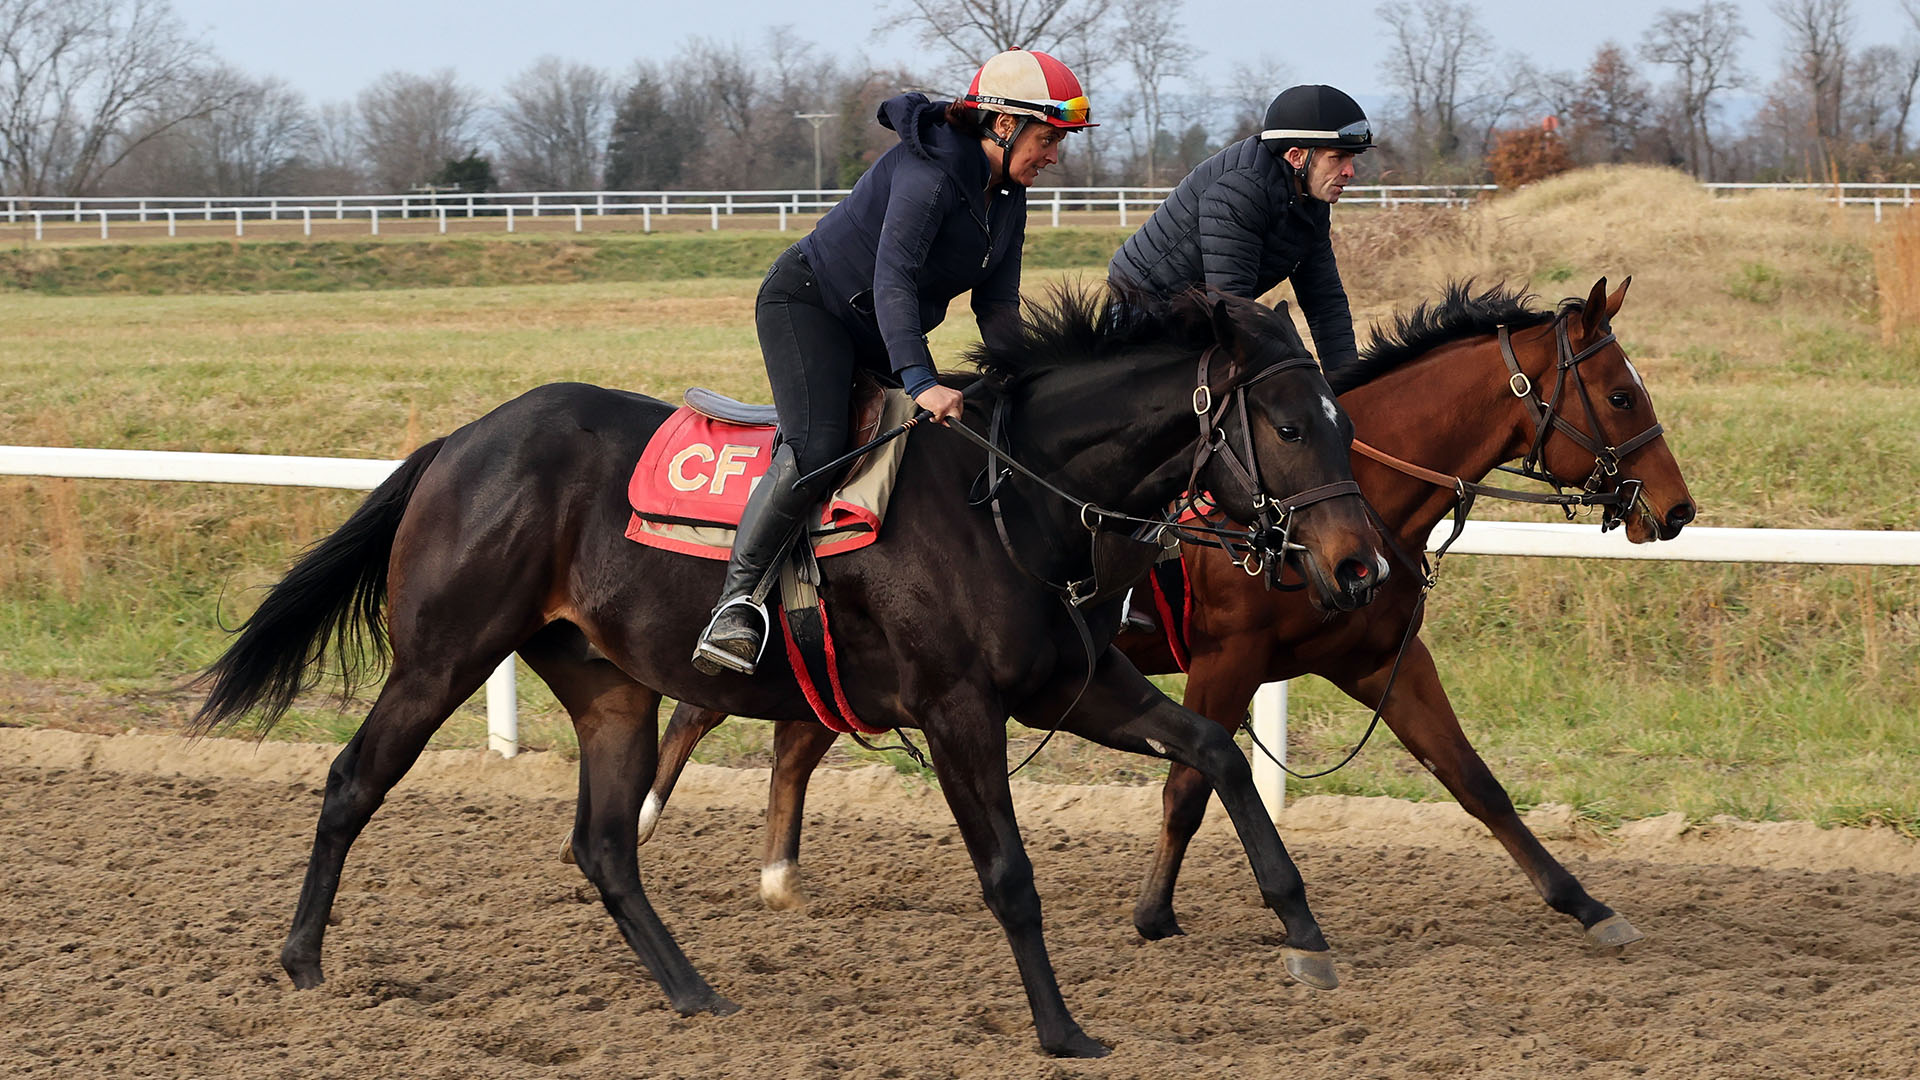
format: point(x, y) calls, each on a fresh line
point(1696, 544)
point(513, 207)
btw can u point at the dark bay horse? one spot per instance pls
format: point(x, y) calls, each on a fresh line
point(1433, 391)
point(507, 535)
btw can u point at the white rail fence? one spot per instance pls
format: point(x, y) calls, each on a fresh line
point(1696, 544)
point(512, 209)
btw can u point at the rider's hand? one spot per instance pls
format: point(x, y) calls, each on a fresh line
point(943, 402)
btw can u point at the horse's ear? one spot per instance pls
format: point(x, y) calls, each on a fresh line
point(1224, 330)
point(1594, 315)
point(1619, 296)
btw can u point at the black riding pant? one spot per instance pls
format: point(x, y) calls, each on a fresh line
point(810, 355)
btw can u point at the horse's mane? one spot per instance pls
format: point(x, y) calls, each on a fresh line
point(1069, 325)
point(1460, 312)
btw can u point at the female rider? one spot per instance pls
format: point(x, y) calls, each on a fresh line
point(943, 212)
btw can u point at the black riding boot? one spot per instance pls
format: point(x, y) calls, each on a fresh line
point(738, 629)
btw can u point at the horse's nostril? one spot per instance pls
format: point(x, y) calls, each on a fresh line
point(1355, 574)
point(1680, 515)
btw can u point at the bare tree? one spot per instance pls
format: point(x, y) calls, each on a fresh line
point(1881, 83)
point(1701, 45)
point(1609, 109)
point(1150, 42)
point(1437, 51)
point(972, 30)
point(1818, 33)
point(84, 83)
point(553, 128)
point(411, 126)
point(335, 162)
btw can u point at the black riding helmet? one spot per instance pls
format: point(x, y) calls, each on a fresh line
point(1316, 116)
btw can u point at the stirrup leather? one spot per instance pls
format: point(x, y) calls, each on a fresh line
point(721, 657)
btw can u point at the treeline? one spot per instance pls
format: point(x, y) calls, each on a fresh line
point(114, 97)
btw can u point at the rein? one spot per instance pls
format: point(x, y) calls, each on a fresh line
point(1616, 504)
point(1164, 531)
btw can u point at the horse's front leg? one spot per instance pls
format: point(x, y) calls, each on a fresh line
point(1123, 710)
point(969, 756)
point(689, 725)
point(1420, 714)
point(797, 749)
point(1219, 687)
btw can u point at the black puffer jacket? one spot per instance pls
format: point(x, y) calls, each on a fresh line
point(1238, 223)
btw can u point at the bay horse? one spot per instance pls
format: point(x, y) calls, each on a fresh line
point(507, 535)
point(1433, 389)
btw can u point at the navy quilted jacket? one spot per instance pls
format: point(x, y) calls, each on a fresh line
point(1237, 223)
point(917, 231)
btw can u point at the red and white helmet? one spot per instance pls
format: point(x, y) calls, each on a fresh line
point(1031, 84)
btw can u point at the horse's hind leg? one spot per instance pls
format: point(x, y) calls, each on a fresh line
point(617, 755)
point(412, 705)
point(1420, 714)
point(616, 720)
point(797, 749)
point(688, 725)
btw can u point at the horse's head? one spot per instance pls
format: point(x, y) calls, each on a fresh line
point(1276, 454)
point(1592, 421)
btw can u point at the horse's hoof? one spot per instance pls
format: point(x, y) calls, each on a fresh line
point(1315, 969)
point(709, 1002)
point(566, 851)
point(1613, 932)
point(305, 976)
point(780, 888)
point(1078, 1044)
point(1157, 927)
point(649, 818)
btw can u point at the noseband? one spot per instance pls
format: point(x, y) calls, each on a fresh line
point(1624, 495)
point(1270, 542)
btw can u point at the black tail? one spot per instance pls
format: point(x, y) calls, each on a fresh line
point(329, 602)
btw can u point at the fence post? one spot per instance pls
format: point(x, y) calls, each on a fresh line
point(578, 224)
point(503, 713)
point(509, 217)
point(646, 218)
point(1122, 203)
point(208, 214)
point(536, 206)
point(715, 207)
point(783, 217)
point(143, 211)
point(600, 204)
point(373, 219)
point(1056, 208)
point(239, 229)
point(38, 224)
point(469, 206)
point(1270, 727)
point(443, 219)
point(273, 209)
point(729, 204)
point(339, 209)
point(170, 222)
point(306, 221)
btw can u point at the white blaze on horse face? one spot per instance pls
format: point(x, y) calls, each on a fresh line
point(1333, 411)
point(1635, 372)
point(732, 463)
point(677, 467)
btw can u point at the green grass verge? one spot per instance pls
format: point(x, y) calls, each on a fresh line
point(416, 262)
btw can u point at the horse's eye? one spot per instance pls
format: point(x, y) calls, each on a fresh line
point(1620, 399)
point(1291, 433)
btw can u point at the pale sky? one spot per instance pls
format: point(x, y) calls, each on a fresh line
point(331, 51)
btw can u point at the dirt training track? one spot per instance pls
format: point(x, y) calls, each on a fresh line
point(145, 886)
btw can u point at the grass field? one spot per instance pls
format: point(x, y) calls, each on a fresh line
point(1623, 690)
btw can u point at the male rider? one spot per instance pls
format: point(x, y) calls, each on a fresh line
point(1258, 213)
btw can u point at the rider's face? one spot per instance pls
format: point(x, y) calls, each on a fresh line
point(1037, 148)
point(1328, 175)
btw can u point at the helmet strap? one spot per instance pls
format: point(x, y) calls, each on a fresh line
point(1006, 144)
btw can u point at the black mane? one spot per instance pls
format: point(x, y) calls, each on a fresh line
point(1459, 313)
point(1073, 325)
